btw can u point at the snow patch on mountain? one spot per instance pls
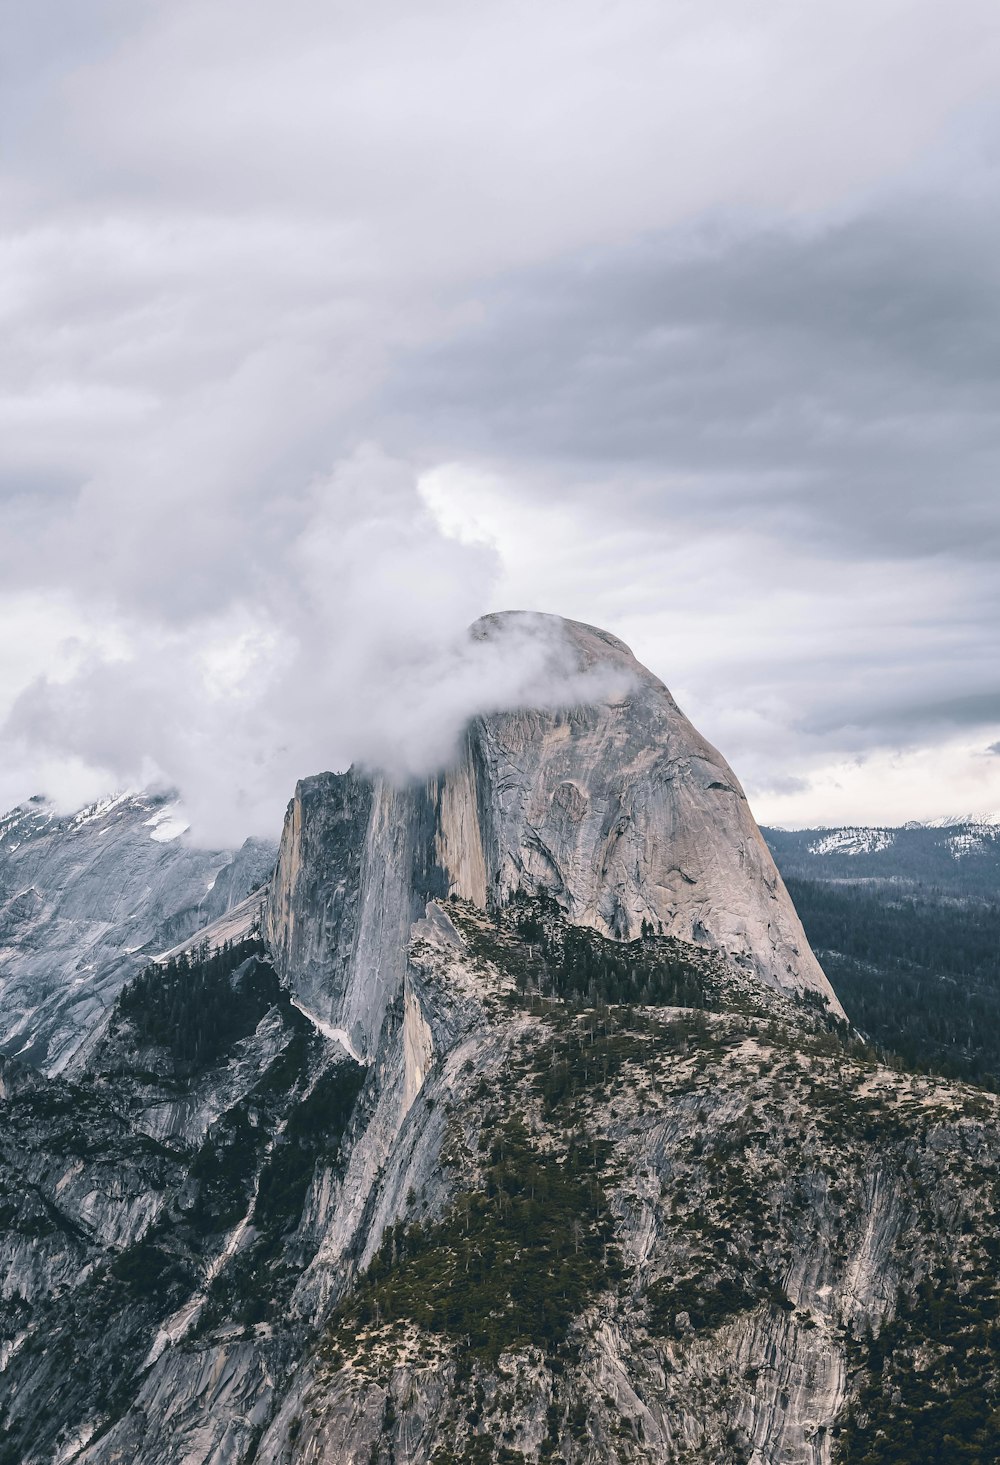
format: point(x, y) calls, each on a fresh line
point(91, 813)
point(853, 841)
point(969, 842)
point(988, 821)
point(167, 824)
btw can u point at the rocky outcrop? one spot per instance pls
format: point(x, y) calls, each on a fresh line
point(628, 815)
point(125, 1206)
point(618, 808)
point(87, 899)
point(768, 1198)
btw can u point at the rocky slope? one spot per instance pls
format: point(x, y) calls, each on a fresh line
point(125, 1191)
point(598, 1191)
point(85, 900)
point(696, 1223)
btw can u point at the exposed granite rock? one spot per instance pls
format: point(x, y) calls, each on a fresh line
point(125, 1206)
point(733, 1194)
point(771, 1191)
point(87, 899)
point(619, 808)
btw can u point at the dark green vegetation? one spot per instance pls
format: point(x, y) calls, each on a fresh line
point(525, 1250)
point(702, 1304)
point(919, 975)
point(918, 970)
point(575, 963)
point(723, 1219)
point(515, 1262)
point(256, 1284)
point(636, 1146)
point(532, 941)
point(792, 1155)
point(930, 1390)
point(900, 931)
point(197, 1008)
point(522, 1253)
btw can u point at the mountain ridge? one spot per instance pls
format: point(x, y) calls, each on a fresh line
point(959, 858)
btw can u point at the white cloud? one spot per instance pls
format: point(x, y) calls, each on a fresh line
point(353, 649)
point(832, 686)
point(956, 778)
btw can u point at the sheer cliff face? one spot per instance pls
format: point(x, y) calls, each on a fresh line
point(620, 809)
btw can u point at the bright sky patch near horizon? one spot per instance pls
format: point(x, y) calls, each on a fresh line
point(327, 330)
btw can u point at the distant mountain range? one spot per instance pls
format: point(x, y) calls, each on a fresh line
point(959, 858)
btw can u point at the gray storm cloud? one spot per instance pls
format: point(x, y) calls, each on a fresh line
point(687, 315)
point(821, 390)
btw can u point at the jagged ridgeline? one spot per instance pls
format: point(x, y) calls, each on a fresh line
point(528, 1129)
point(86, 900)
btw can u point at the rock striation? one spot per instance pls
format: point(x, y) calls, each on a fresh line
point(532, 1228)
point(618, 808)
point(86, 899)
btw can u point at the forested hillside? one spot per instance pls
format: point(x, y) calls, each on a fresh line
point(907, 925)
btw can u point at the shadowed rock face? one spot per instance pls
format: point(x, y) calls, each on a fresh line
point(620, 809)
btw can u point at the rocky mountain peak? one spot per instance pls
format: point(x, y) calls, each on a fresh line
point(590, 644)
point(614, 805)
point(601, 1188)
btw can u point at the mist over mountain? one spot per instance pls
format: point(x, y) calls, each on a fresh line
point(346, 668)
point(413, 1048)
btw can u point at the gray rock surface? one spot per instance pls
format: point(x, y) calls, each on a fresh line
point(124, 1204)
point(88, 899)
point(620, 809)
point(768, 1193)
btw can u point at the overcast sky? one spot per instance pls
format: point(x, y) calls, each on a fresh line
point(326, 328)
